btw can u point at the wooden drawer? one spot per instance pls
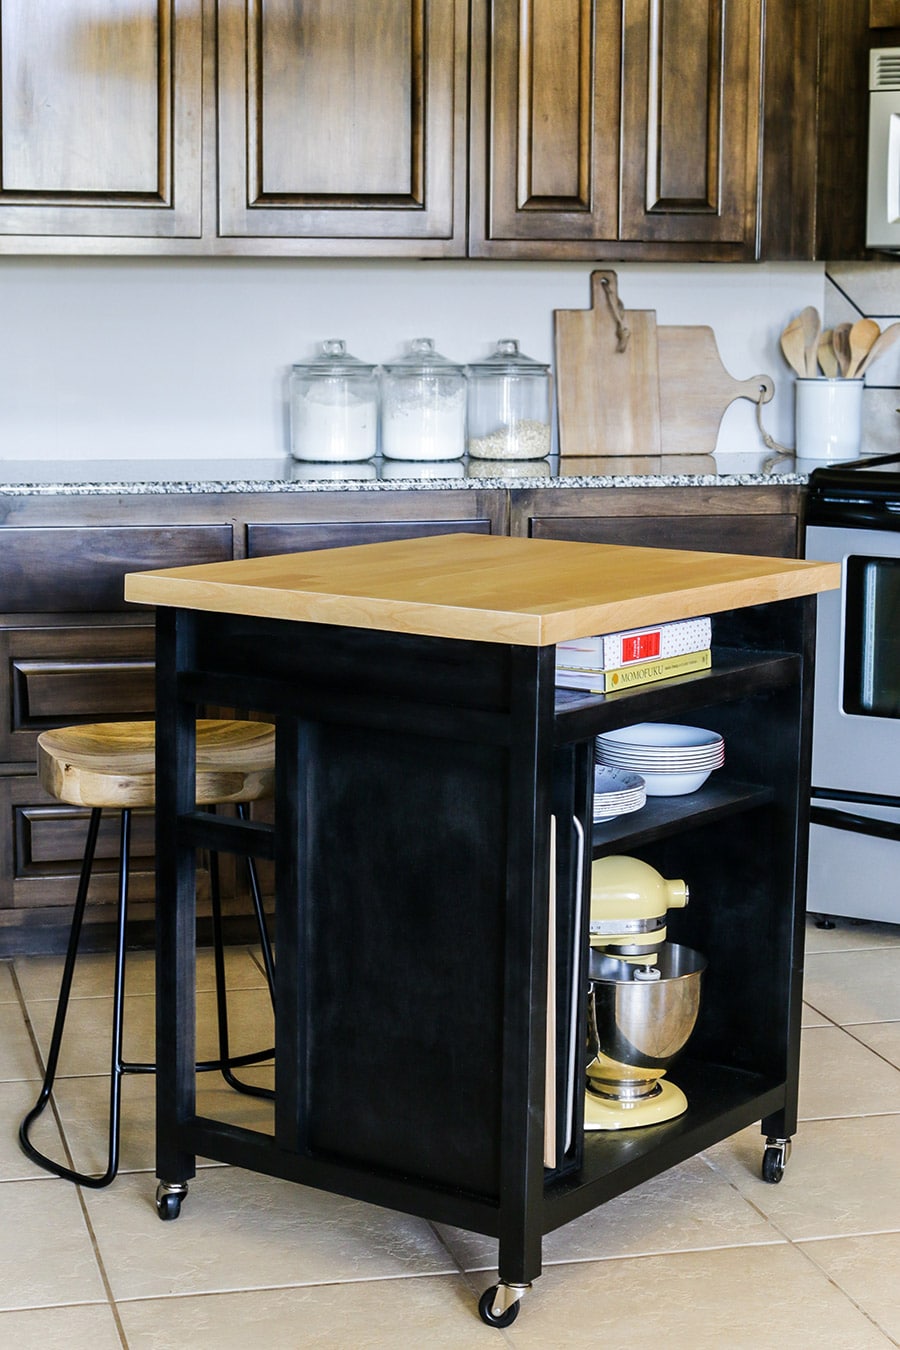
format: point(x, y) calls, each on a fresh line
point(50, 676)
point(767, 535)
point(42, 843)
point(270, 538)
point(80, 569)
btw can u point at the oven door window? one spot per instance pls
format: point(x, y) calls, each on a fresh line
point(871, 686)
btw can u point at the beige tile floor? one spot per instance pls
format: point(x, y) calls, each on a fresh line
point(704, 1256)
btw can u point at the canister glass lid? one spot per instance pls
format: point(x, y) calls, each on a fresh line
point(506, 359)
point(422, 359)
point(334, 359)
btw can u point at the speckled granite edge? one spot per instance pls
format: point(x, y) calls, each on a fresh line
point(171, 487)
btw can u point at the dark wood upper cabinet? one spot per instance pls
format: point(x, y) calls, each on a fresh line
point(344, 124)
point(545, 119)
point(720, 130)
point(884, 13)
point(690, 126)
point(100, 118)
point(607, 127)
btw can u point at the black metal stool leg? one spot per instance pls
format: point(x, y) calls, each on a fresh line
point(261, 921)
point(226, 1062)
point(116, 1065)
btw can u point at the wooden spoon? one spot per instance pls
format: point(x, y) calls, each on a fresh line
point(863, 335)
point(882, 343)
point(793, 344)
point(811, 327)
point(840, 341)
point(827, 356)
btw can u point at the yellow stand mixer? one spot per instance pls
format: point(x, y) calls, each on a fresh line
point(644, 996)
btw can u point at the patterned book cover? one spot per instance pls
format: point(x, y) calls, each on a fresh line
point(611, 651)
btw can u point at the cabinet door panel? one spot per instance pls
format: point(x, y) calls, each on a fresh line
point(690, 120)
point(58, 568)
point(67, 673)
point(342, 122)
point(270, 539)
point(549, 97)
point(768, 536)
point(40, 862)
point(100, 117)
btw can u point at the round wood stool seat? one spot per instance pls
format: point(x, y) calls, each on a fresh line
point(112, 764)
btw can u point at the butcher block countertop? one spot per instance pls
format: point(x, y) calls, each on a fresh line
point(483, 588)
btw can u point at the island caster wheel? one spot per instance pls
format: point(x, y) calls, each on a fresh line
point(775, 1157)
point(168, 1200)
point(508, 1294)
point(485, 1307)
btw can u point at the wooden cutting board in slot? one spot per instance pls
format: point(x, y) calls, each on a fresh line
point(695, 389)
point(607, 376)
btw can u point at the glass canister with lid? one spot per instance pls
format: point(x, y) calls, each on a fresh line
point(423, 406)
point(334, 407)
point(509, 405)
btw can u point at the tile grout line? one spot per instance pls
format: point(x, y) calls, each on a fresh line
point(23, 1008)
point(807, 1255)
point(800, 1245)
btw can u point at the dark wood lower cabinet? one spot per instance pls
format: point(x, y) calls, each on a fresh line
point(72, 650)
point(765, 521)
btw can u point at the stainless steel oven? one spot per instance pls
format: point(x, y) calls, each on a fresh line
point(854, 518)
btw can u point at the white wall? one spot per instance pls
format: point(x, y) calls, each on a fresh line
point(127, 358)
point(871, 290)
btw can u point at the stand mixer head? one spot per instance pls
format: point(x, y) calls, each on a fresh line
point(644, 996)
point(629, 904)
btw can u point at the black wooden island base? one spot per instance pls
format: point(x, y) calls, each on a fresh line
point(431, 842)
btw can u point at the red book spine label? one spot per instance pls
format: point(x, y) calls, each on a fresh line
point(640, 647)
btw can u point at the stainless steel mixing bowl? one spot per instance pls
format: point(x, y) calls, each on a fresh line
point(637, 1027)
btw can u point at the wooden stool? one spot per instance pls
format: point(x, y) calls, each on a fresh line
point(111, 765)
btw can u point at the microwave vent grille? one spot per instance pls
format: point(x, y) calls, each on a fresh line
point(884, 68)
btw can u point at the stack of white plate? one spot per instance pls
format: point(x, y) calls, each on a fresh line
point(672, 759)
point(616, 792)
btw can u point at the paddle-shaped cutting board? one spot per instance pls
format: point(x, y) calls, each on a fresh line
point(695, 389)
point(607, 376)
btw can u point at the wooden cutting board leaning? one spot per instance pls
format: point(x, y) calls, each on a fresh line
point(627, 387)
point(607, 375)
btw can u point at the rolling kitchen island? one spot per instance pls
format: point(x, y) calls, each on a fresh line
point(432, 839)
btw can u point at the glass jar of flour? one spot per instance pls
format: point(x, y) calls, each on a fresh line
point(334, 407)
point(509, 405)
point(423, 406)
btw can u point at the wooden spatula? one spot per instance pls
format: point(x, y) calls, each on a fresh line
point(827, 357)
point(863, 335)
point(886, 339)
point(793, 344)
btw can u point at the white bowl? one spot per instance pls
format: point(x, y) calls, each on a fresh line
point(660, 736)
point(674, 784)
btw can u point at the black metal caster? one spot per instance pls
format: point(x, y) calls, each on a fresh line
point(168, 1200)
point(487, 1314)
point(775, 1157)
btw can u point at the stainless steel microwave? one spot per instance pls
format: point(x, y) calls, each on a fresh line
point(883, 207)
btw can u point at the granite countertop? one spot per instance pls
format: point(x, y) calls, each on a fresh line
point(167, 476)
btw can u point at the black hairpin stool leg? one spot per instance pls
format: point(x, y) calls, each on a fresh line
point(116, 1064)
point(227, 1062)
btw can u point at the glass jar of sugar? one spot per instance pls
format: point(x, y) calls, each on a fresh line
point(423, 406)
point(509, 405)
point(334, 407)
